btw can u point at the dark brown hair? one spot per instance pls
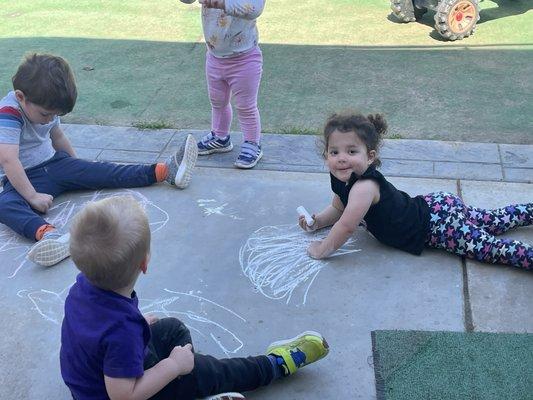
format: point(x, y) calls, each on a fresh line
point(369, 129)
point(47, 81)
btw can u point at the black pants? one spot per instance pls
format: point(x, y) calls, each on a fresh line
point(210, 375)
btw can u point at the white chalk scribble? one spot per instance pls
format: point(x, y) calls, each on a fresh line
point(201, 320)
point(15, 247)
point(47, 303)
point(275, 260)
point(211, 207)
point(200, 314)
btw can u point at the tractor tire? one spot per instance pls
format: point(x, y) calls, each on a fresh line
point(405, 11)
point(456, 19)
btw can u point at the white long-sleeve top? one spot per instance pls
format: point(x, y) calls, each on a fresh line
point(232, 31)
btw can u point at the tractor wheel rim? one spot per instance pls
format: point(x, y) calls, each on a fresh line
point(462, 16)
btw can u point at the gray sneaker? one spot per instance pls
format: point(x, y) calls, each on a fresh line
point(181, 164)
point(51, 249)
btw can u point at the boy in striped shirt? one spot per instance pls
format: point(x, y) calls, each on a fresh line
point(38, 163)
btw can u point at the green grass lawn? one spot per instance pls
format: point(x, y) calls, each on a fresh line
point(332, 22)
point(146, 65)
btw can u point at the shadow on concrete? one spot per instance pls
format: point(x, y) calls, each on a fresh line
point(436, 92)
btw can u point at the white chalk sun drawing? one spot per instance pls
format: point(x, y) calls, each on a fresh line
point(14, 247)
point(213, 207)
point(200, 314)
point(275, 260)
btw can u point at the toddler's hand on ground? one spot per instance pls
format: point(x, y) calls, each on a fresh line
point(41, 202)
point(314, 250)
point(304, 226)
point(183, 358)
point(213, 3)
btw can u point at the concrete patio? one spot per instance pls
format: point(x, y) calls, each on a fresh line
point(207, 240)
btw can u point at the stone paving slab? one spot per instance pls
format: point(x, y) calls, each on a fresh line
point(117, 138)
point(500, 297)
point(518, 174)
point(517, 162)
point(376, 288)
point(519, 156)
point(437, 150)
point(130, 157)
point(477, 171)
point(401, 157)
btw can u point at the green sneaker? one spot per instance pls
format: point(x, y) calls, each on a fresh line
point(295, 353)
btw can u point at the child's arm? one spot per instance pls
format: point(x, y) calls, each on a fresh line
point(179, 362)
point(9, 159)
point(362, 195)
point(326, 217)
point(246, 9)
point(150, 319)
point(60, 141)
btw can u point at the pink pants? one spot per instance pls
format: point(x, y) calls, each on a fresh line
point(239, 76)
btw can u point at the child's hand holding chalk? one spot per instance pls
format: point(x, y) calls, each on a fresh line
point(306, 220)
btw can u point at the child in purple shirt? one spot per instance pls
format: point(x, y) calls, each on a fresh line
point(109, 350)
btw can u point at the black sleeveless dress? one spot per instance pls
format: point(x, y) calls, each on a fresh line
point(397, 220)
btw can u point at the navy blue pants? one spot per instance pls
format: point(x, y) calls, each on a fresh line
point(210, 376)
point(63, 173)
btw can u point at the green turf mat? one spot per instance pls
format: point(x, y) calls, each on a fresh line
point(415, 365)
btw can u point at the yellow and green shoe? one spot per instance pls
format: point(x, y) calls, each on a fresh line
point(295, 353)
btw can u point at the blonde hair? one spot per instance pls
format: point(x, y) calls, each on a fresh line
point(109, 240)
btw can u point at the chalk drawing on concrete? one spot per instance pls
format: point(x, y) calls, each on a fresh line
point(47, 303)
point(213, 207)
point(13, 247)
point(200, 314)
point(197, 313)
point(275, 260)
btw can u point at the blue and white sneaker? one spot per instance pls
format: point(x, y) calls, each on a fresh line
point(213, 144)
point(250, 154)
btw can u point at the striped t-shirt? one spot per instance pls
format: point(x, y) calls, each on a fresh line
point(35, 145)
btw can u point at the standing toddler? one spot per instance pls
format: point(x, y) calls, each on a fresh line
point(233, 66)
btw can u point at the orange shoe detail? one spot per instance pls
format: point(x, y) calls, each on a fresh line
point(42, 230)
point(161, 172)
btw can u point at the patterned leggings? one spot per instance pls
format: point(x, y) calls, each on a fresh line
point(470, 231)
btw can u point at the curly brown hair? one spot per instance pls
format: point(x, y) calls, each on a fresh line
point(369, 129)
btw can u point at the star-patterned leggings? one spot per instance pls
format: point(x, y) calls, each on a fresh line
point(470, 231)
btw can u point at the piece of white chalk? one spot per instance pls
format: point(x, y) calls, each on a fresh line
point(308, 218)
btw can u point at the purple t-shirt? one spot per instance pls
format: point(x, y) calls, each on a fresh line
point(103, 333)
